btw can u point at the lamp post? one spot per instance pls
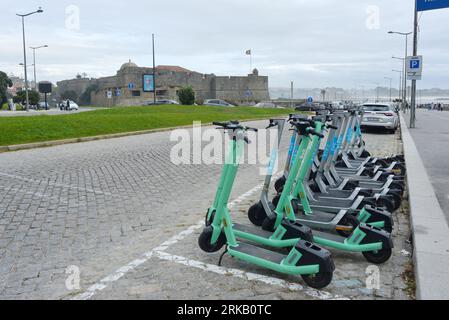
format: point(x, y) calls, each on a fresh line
point(400, 81)
point(403, 78)
point(34, 63)
point(391, 79)
point(406, 34)
point(39, 10)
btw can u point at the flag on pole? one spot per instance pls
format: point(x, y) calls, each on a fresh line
point(248, 52)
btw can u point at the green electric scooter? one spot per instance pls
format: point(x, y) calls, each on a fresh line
point(304, 258)
point(374, 243)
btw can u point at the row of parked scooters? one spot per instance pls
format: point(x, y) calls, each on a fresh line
point(340, 197)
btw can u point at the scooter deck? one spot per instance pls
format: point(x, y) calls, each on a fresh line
point(317, 216)
point(253, 230)
point(259, 252)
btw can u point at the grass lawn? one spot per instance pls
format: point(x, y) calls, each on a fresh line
point(19, 130)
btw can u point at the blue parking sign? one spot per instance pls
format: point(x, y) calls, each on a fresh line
point(414, 64)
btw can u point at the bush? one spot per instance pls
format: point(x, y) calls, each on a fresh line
point(33, 97)
point(85, 96)
point(199, 101)
point(186, 96)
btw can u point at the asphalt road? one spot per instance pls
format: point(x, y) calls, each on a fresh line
point(431, 137)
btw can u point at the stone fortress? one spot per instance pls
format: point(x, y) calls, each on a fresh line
point(126, 87)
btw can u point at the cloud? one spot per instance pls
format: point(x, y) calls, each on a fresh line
point(314, 43)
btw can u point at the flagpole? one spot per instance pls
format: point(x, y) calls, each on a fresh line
point(251, 61)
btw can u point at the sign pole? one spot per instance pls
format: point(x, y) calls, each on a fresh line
point(415, 53)
point(154, 73)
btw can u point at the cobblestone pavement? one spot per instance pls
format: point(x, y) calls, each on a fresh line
point(101, 205)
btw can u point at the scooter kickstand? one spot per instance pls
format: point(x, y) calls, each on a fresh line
point(221, 256)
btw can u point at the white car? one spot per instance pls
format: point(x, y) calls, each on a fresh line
point(162, 101)
point(380, 115)
point(43, 105)
point(72, 105)
point(265, 105)
point(217, 103)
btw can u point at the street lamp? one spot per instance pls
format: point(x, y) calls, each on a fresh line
point(39, 10)
point(406, 34)
point(391, 79)
point(34, 62)
point(404, 78)
point(400, 81)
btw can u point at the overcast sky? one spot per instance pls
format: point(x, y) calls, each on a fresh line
point(315, 43)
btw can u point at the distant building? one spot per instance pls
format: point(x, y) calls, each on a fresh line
point(17, 84)
point(126, 87)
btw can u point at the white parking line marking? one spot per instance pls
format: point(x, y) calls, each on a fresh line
point(317, 294)
point(103, 283)
point(53, 184)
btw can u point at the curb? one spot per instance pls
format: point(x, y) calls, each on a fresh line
point(53, 143)
point(429, 227)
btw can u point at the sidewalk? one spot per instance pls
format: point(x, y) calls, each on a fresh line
point(429, 226)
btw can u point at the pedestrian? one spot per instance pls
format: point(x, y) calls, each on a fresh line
point(67, 105)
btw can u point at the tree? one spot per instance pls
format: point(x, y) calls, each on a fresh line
point(69, 94)
point(186, 96)
point(33, 97)
point(323, 94)
point(85, 96)
point(5, 83)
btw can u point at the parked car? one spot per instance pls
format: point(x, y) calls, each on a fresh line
point(43, 105)
point(337, 105)
point(265, 105)
point(310, 107)
point(161, 101)
point(380, 115)
point(71, 106)
point(217, 103)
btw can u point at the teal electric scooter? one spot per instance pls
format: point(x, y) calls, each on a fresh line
point(374, 243)
point(303, 258)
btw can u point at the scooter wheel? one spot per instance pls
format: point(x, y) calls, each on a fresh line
point(397, 199)
point(204, 241)
point(365, 154)
point(396, 186)
point(399, 170)
point(257, 214)
point(378, 257)
point(275, 200)
point(279, 184)
point(319, 280)
point(385, 204)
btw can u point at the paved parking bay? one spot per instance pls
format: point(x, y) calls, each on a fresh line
point(128, 219)
point(431, 138)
